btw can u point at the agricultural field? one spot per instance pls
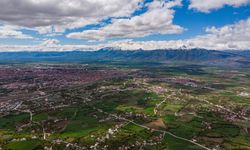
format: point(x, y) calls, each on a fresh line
point(124, 107)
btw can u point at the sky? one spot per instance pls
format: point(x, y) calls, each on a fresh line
point(65, 25)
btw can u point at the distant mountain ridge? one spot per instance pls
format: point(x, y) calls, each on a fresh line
point(111, 54)
point(244, 53)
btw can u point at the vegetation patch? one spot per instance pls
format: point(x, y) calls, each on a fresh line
point(24, 145)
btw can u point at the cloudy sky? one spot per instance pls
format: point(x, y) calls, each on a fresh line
point(62, 25)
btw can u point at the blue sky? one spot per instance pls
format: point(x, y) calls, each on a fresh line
point(127, 24)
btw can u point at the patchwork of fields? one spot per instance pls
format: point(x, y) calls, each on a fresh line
point(124, 107)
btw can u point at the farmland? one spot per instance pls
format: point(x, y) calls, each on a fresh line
point(74, 106)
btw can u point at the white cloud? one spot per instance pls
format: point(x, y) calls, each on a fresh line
point(50, 42)
point(54, 34)
point(229, 37)
point(236, 36)
point(208, 5)
point(145, 45)
point(58, 15)
point(57, 48)
point(157, 20)
point(7, 31)
point(48, 45)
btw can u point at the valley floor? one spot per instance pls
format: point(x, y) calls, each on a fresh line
point(109, 107)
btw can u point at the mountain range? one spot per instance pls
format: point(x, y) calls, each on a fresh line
point(111, 54)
